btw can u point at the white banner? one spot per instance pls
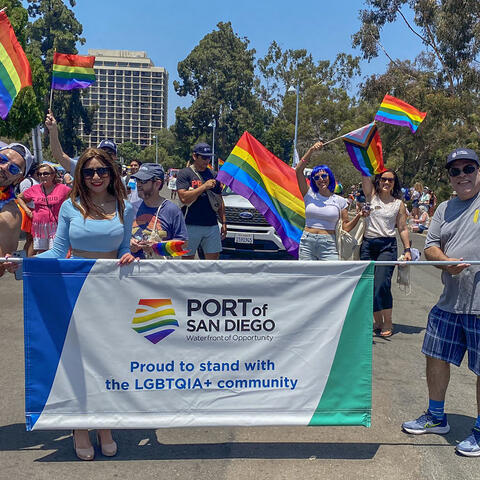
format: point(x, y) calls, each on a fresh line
point(197, 343)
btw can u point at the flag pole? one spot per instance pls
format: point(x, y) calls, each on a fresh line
point(345, 134)
point(51, 85)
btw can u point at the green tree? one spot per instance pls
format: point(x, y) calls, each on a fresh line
point(449, 30)
point(28, 107)
point(443, 81)
point(55, 27)
point(128, 151)
point(168, 150)
point(324, 104)
point(218, 74)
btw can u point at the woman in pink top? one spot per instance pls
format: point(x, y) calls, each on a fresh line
point(47, 197)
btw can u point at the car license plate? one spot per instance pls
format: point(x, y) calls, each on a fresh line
point(244, 238)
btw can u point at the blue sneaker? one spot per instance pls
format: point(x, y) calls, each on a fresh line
point(427, 423)
point(470, 447)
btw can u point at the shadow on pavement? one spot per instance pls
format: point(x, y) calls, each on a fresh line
point(143, 445)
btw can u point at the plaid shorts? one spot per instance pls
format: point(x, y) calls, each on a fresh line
point(449, 335)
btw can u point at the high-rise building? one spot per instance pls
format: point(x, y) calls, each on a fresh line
point(131, 94)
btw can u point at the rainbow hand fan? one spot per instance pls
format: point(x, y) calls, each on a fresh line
point(170, 248)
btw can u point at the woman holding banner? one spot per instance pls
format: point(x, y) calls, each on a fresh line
point(323, 209)
point(95, 222)
point(387, 211)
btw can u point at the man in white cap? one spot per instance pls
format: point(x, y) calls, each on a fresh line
point(453, 326)
point(15, 162)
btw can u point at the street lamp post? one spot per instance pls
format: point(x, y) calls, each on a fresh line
point(156, 148)
point(297, 91)
point(213, 124)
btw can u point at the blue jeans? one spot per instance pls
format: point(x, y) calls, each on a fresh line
point(381, 249)
point(315, 246)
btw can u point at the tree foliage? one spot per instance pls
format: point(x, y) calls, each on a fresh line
point(128, 151)
point(444, 81)
point(218, 74)
point(27, 110)
point(55, 28)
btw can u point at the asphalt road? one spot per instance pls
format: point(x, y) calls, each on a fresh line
point(380, 452)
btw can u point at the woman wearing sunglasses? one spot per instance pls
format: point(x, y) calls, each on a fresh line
point(47, 198)
point(323, 209)
point(96, 222)
point(387, 211)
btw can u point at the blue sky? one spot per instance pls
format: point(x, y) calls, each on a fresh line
point(168, 30)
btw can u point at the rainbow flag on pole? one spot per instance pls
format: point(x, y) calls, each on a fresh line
point(15, 70)
point(365, 149)
point(72, 71)
point(397, 112)
point(270, 185)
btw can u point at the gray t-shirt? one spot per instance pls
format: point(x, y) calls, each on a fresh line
point(455, 229)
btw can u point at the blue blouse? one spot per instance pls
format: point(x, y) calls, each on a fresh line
point(91, 235)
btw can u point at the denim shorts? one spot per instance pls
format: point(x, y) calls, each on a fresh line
point(316, 246)
point(206, 236)
point(450, 335)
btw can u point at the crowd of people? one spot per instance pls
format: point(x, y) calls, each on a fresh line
point(99, 210)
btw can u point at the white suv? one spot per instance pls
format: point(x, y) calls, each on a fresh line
point(247, 229)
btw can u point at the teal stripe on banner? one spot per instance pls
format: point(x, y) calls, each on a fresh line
point(347, 398)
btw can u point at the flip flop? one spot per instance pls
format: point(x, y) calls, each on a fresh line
point(386, 333)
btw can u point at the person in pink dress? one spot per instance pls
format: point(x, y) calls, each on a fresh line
point(47, 197)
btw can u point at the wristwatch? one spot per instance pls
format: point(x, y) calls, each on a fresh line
point(406, 250)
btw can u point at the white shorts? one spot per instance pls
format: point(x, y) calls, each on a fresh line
point(42, 243)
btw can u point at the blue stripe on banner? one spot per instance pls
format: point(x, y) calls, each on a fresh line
point(50, 287)
point(242, 177)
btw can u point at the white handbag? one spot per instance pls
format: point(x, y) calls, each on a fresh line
point(348, 245)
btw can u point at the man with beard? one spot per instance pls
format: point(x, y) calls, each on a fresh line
point(157, 219)
point(15, 162)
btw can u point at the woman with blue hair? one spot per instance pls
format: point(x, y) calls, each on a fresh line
point(323, 209)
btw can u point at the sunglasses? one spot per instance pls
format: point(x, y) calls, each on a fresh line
point(44, 174)
point(322, 176)
point(387, 179)
point(101, 172)
point(13, 168)
point(467, 170)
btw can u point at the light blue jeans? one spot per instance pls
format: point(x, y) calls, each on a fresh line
point(316, 246)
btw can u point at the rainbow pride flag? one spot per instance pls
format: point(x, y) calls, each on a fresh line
point(270, 185)
point(365, 149)
point(170, 248)
point(397, 112)
point(72, 71)
point(15, 70)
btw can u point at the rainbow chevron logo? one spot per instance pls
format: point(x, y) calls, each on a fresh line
point(154, 318)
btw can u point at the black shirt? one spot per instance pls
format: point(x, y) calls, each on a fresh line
point(200, 212)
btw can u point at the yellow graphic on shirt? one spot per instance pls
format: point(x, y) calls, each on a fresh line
point(475, 216)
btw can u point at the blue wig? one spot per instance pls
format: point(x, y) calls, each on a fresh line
point(331, 178)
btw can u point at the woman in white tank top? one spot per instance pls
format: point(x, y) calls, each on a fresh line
point(387, 212)
point(323, 209)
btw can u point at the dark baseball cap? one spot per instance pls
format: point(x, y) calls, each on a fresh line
point(108, 144)
point(203, 149)
point(148, 171)
point(462, 154)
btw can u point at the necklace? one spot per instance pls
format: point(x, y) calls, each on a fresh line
point(7, 194)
